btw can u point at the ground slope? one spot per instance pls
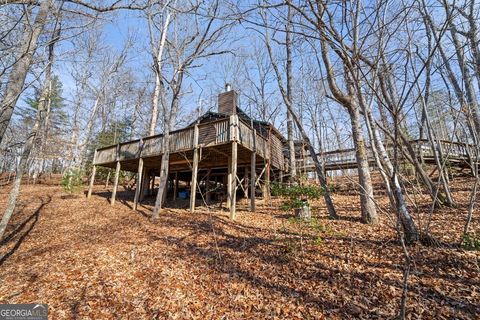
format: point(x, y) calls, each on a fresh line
point(87, 259)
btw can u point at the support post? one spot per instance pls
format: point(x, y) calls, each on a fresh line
point(266, 184)
point(115, 184)
point(92, 179)
point(143, 183)
point(207, 188)
point(108, 179)
point(138, 187)
point(253, 179)
point(233, 176)
point(152, 187)
point(175, 186)
point(165, 191)
point(229, 182)
point(245, 183)
point(233, 171)
point(253, 172)
point(193, 188)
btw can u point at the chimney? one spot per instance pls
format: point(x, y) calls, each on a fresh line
point(227, 101)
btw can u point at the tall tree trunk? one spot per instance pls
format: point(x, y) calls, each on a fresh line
point(157, 61)
point(155, 99)
point(288, 48)
point(21, 67)
point(164, 170)
point(369, 210)
point(169, 118)
point(390, 177)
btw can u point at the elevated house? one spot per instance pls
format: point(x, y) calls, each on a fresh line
point(217, 156)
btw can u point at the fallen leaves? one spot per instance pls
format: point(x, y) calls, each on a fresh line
point(90, 260)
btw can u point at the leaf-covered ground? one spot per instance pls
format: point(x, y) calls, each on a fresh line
point(87, 259)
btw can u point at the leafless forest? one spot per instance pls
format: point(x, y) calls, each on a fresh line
point(377, 104)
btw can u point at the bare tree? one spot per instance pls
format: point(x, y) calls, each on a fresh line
point(162, 12)
point(287, 95)
point(197, 32)
point(21, 66)
point(42, 112)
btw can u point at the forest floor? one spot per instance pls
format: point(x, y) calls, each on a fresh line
point(87, 259)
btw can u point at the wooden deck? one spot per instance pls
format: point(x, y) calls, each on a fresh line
point(457, 154)
point(215, 137)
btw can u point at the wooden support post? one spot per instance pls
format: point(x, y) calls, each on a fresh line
point(207, 188)
point(245, 183)
point(138, 187)
point(266, 184)
point(143, 182)
point(233, 170)
point(229, 182)
point(115, 184)
point(193, 188)
point(175, 186)
point(165, 191)
point(233, 187)
point(253, 172)
point(253, 179)
point(92, 179)
point(152, 187)
point(108, 179)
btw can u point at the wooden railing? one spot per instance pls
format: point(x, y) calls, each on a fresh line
point(252, 140)
point(106, 155)
point(423, 148)
point(209, 134)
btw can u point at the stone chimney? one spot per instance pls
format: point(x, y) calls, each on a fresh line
point(227, 101)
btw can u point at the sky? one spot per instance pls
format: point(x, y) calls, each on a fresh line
point(208, 77)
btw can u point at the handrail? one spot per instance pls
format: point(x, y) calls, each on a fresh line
point(211, 133)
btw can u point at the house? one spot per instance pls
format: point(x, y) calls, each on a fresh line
point(219, 155)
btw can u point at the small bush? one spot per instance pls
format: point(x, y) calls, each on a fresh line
point(471, 241)
point(72, 181)
point(298, 194)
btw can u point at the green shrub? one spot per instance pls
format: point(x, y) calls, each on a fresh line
point(72, 181)
point(471, 241)
point(298, 195)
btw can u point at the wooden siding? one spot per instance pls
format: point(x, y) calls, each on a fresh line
point(278, 159)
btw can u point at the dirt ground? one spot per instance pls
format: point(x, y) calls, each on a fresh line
point(87, 259)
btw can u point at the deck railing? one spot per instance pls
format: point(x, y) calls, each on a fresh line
point(423, 148)
point(209, 134)
point(106, 155)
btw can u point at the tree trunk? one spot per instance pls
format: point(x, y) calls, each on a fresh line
point(369, 211)
point(21, 67)
point(163, 176)
point(390, 177)
point(154, 115)
point(169, 117)
point(157, 57)
point(291, 144)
